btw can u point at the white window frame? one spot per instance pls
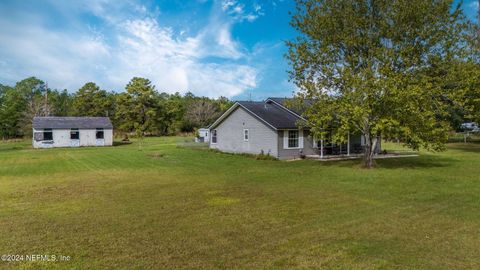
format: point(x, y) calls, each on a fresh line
point(75, 130)
point(96, 133)
point(214, 134)
point(246, 132)
point(47, 130)
point(300, 139)
point(294, 139)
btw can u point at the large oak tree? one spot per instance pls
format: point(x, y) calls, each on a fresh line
point(378, 67)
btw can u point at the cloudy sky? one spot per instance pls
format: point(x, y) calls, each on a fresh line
point(213, 48)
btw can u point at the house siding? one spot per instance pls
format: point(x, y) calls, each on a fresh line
point(61, 138)
point(307, 148)
point(230, 135)
point(88, 137)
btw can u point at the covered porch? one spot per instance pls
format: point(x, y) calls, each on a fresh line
point(353, 148)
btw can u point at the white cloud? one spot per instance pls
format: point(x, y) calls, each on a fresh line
point(34, 51)
point(176, 64)
point(135, 46)
point(238, 10)
point(227, 4)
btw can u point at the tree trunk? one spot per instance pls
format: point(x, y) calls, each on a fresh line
point(370, 145)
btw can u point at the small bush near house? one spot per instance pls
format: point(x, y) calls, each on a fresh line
point(263, 156)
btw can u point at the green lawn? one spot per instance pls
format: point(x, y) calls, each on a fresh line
point(175, 207)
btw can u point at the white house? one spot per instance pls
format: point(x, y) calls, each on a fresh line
point(270, 127)
point(71, 132)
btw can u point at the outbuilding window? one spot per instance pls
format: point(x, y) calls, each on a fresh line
point(74, 134)
point(48, 134)
point(99, 134)
point(214, 136)
point(38, 136)
point(292, 138)
point(245, 135)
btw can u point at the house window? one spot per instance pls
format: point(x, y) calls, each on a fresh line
point(99, 133)
point(48, 134)
point(214, 136)
point(292, 138)
point(245, 135)
point(74, 134)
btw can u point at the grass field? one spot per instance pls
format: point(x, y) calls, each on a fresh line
point(166, 206)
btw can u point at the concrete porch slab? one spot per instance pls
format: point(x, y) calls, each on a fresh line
point(357, 156)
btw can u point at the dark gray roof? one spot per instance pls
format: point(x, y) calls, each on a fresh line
point(296, 109)
point(271, 113)
point(72, 122)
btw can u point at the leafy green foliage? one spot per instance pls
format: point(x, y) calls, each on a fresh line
point(10, 112)
point(19, 105)
point(61, 102)
point(379, 68)
point(91, 101)
point(137, 107)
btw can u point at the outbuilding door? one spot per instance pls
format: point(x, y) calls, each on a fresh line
point(74, 137)
point(100, 142)
point(100, 137)
point(75, 143)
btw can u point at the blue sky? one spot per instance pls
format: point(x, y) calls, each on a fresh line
point(213, 48)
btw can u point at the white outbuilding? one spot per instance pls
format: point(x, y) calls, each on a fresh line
point(202, 135)
point(71, 132)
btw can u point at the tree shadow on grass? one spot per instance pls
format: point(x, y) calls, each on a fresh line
point(424, 161)
point(120, 143)
point(471, 147)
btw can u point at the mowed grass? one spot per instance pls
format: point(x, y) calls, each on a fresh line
point(164, 206)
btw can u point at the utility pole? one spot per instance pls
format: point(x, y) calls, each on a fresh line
point(46, 110)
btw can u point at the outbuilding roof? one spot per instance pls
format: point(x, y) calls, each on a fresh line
point(71, 122)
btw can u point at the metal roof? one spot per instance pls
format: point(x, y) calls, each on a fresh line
point(71, 122)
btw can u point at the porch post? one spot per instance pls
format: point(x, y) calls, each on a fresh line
point(321, 148)
point(348, 144)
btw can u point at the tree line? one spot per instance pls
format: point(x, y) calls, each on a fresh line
point(140, 109)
